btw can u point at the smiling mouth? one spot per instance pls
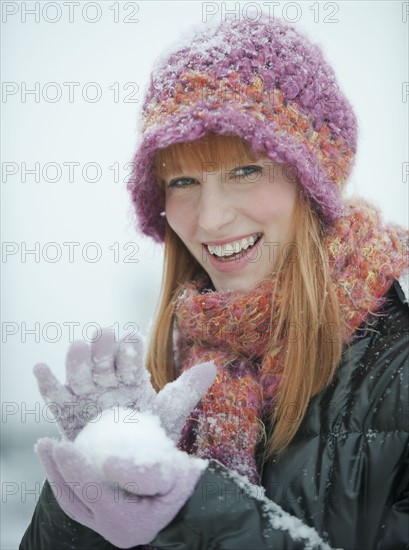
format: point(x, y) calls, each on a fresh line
point(234, 250)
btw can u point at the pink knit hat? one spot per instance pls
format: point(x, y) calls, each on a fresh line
point(262, 81)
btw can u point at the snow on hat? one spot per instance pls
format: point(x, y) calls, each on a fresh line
point(262, 81)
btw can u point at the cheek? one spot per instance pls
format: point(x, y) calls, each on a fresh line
point(274, 204)
point(179, 217)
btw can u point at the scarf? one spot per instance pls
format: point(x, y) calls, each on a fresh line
point(232, 329)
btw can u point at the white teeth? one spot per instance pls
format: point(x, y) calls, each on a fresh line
point(229, 249)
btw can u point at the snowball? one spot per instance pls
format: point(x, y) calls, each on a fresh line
point(123, 433)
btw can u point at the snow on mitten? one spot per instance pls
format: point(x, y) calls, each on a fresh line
point(124, 480)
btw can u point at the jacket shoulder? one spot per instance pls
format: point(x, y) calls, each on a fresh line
point(373, 374)
point(392, 318)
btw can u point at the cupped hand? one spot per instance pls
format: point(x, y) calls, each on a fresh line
point(126, 500)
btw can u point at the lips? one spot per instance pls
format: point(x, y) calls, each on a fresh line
point(236, 261)
point(227, 251)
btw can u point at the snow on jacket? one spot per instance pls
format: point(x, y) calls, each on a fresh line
point(346, 473)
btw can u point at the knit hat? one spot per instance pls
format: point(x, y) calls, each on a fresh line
point(262, 81)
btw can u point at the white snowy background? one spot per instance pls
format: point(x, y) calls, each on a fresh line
point(366, 42)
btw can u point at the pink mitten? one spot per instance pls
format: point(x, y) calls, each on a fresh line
point(128, 500)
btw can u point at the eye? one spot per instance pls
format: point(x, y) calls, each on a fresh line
point(180, 183)
point(244, 171)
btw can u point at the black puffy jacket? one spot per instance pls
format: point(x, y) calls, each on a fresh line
point(345, 473)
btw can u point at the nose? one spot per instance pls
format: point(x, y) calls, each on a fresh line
point(216, 209)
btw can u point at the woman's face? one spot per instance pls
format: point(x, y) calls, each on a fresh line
point(234, 219)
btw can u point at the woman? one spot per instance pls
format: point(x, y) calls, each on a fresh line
point(301, 438)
